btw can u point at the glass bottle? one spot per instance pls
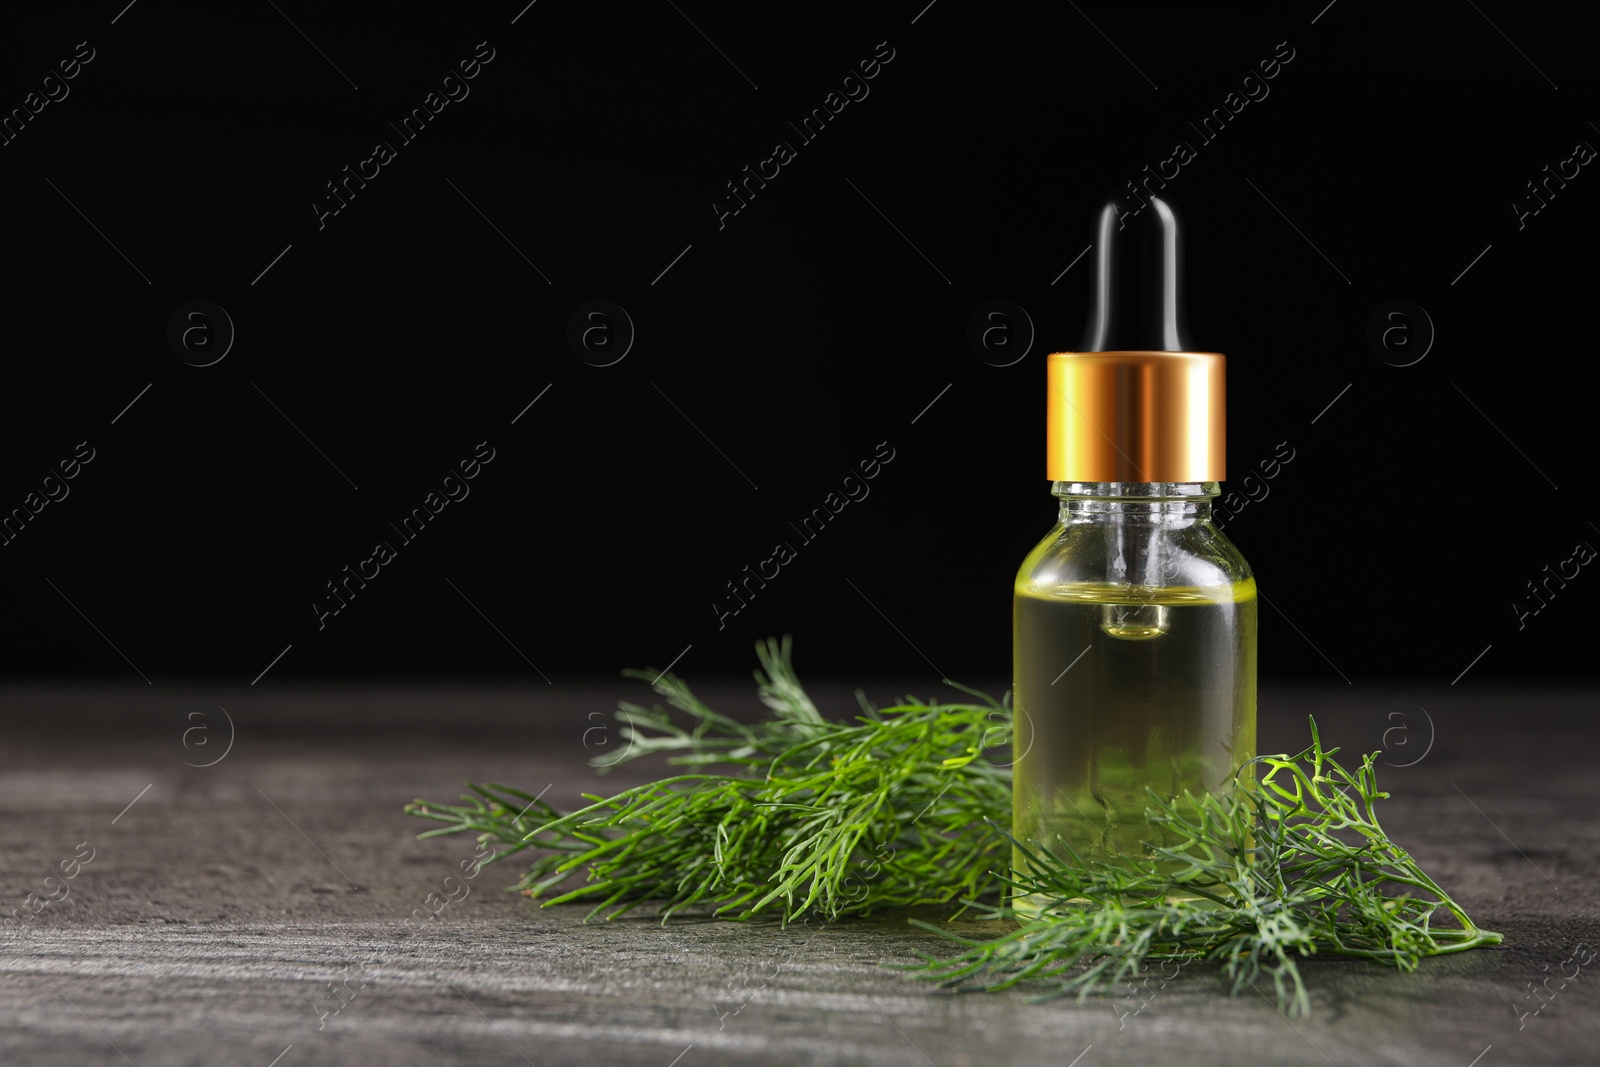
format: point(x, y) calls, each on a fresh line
point(1134, 634)
point(1134, 625)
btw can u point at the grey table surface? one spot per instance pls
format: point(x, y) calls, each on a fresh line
point(262, 910)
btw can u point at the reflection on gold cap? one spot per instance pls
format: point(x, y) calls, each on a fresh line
point(1135, 417)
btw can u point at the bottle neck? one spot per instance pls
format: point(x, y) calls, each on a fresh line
point(1161, 503)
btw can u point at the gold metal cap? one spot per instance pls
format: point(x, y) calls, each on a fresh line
point(1135, 417)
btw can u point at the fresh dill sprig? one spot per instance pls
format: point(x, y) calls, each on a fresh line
point(903, 807)
point(815, 816)
point(1284, 866)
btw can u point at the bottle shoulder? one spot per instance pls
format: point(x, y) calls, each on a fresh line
point(1194, 556)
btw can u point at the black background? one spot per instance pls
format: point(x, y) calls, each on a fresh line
point(796, 338)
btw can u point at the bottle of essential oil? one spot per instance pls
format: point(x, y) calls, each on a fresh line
point(1135, 618)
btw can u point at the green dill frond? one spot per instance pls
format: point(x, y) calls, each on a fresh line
point(905, 807)
point(787, 817)
point(1281, 867)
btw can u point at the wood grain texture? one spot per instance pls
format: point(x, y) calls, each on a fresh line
point(218, 909)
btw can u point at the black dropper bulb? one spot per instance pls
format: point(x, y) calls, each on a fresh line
point(1138, 303)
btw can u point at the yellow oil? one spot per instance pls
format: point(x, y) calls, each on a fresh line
point(1119, 689)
